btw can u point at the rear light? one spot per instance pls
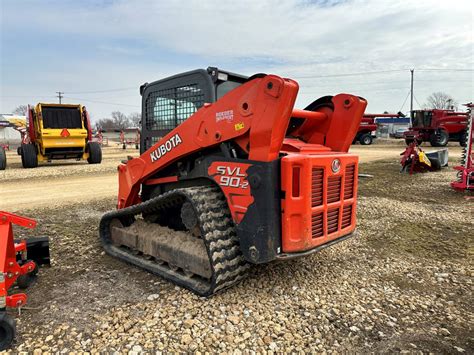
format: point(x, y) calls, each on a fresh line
point(295, 191)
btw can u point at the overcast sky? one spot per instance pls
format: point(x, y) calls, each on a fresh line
point(100, 52)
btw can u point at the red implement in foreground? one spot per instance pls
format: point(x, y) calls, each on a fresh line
point(19, 261)
point(465, 177)
point(10, 271)
point(230, 175)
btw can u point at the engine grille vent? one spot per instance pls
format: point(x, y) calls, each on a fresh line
point(349, 182)
point(346, 216)
point(317, 187)
point(333, 220)
point(334, 189)
point(317, 225)
point(326, 190)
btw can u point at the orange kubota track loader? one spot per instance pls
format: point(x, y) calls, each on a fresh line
point(232, 175)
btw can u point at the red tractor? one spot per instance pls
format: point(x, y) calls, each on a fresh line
point(438, 127)
point(366, 132)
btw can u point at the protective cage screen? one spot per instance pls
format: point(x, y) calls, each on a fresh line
point(167, 108)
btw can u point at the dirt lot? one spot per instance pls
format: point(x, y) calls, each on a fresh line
point(403, 284)
point(64, 182)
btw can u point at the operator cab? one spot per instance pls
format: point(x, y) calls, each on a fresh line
point(422, 118)
point(169, 102)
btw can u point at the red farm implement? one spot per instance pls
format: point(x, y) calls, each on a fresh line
point(99, 138)
point(415, 160)
point(465, 177)
point(132, 142)
point(19, 260)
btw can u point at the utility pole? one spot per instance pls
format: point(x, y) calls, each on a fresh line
point(60, 95)
point(411, 94)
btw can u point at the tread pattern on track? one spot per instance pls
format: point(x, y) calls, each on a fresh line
point(217, 231)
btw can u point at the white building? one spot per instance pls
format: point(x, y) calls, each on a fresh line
point(8, 134)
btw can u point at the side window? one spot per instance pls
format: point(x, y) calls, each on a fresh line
point(167, 108)
point(226, 86)
point(427, 118)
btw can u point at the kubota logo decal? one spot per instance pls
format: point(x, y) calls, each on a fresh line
point(166, 147)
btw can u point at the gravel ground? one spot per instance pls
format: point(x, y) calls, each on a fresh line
point(404, 284)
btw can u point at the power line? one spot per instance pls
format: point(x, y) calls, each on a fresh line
point(412, 71)
point(379, 72)
point(29, 96)
point(444, 69)
point(102, 91)
point(417, 101)
point(100, 102)
point(349, 74)
point(406, 98)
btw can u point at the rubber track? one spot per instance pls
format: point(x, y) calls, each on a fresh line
point(217, 231)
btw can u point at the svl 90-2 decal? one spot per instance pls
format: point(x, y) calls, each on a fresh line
point(232, 176)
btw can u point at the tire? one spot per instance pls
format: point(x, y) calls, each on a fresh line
point(435, 164)
point(137, 146)
point(25, 281)
point(7, 330)
point(406, 167)
point(463, 138)
point(3, 159)
point(124, 146)
point(18, 151)
point(366, 139)
point(439, 139)
point(29, 158)
point(95, 153)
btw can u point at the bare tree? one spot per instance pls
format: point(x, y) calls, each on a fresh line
point(440, 100)
point(105, 124)
point(20, 110)
point(120, 120)
point(135, 119)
